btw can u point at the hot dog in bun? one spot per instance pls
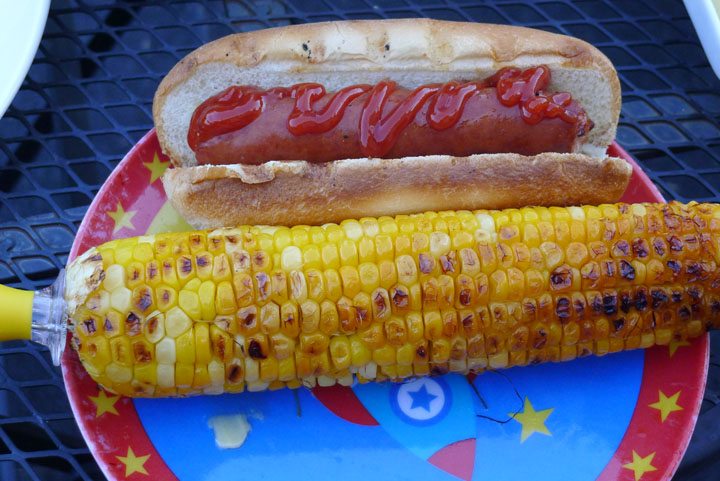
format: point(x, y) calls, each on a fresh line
point(316, 123)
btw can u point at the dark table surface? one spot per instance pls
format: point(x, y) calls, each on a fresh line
point(87, 99)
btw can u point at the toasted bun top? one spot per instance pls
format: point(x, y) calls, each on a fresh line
point(412, 52)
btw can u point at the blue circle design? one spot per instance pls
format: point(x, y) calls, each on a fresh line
point(421, 399)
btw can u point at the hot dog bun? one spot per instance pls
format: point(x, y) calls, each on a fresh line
point(412, 52)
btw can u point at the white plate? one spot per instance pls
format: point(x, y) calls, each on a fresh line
point(705, 15)
point(21, 27)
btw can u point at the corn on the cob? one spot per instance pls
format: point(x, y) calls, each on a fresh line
point(390, 298)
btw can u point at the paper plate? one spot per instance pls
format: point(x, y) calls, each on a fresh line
point(21, 27)
point(626, 416)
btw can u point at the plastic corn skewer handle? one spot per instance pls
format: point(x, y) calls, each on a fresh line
point(39, 316)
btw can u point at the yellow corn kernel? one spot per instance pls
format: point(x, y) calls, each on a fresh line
point(369, 276)
point(330, 256)
point(350, 280)
point(189, 302)
point(359, 352)
point(145, 373)
point(340, 352)
point(201, 377)
point(224, 299)
point(384, 356)
point(329, 320)
point(406, 270)
point(315, 343)
point(206, 295)
point(184, 375)
point(312, 257)
point(388, 274)
point(298, 286)
point(432, 325)
point(203, 352)
point(286, 369)
point(310, 316)
point(348, 253)
point(281, 345)
point(384, 249)
point(366, 250)
point(268, 369)
point(270, 318)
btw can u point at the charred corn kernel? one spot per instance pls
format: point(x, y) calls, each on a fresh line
point(247, 320)
point(135, 274)
point(204, 265)
point(96, 350)
point(143, 298)
point(196, 242)
point(169, 274)
point(221, 270)
point(289, 320)
point(99, 302)
point(263, 307)
point(120, 351)
point(154, 327)
point(315, 285)
point(113, 324)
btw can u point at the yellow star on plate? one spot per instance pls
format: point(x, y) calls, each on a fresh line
point(104, 403)
point(675, 344)
point(156, 168)
point(639, 465)
point(532, 421)
point(666, 405)
point(133, 464)
point(122, 218)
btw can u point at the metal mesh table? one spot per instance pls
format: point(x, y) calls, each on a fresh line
point(87, 99)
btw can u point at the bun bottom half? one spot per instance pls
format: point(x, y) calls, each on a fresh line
point(301, 193)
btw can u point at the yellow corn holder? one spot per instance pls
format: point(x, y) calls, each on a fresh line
point(16, 308)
